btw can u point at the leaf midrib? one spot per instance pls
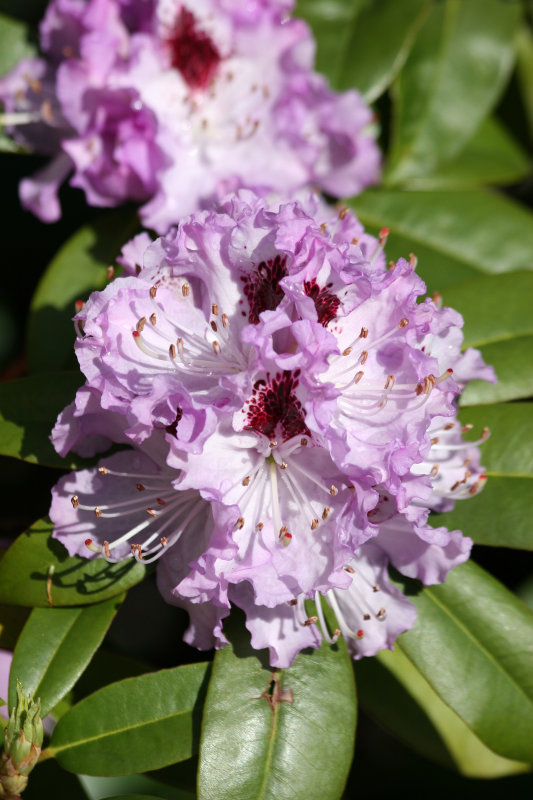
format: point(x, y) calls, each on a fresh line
point(429, 593)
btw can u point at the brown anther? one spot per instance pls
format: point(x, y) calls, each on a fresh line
point(336, 633)
point(412, 260)
point(456, 485)
point(172, 351)
point(358, 376)
point(449, 426)
point(347, 351)
point(343, 212)
point(140, 324)
point(485, 433)
point(351, 488)
point(366, 617)
point(225, 320)
point(434, 471)
point(310, 621)
point(293, 602)
point(283, 465)
point(153, 291)
point(75, 500)
point(216, 348)
point(363, 357)
point(437, 298)
point(403, 323)
point(164, 541)
point(110, 273)
point(97, 512)
point(474, 488)
point(103, 470)
point(355, 240)
point(213, 325)
point(260, 526)
point(140, 487)
point(106, 549)
point(381, 613)
point(364, 333)
point(151, 512)
point(427, 384)
point(283, 530)
point(325, 513)
point(303, 442)
point(349, 570)
point(214, 309)
point(391, 265)
point(466, 428)
point(239, 525)
point(153, 318)
point(434, 440)
point(376, 587)
point(160, 501)
point(185, 290)
point(137, 549)
point(323, 227)
point(272, 444)
point(314, 524)
point(390, 382)
point(333, 490)
point(419, 389)
point(246, 481)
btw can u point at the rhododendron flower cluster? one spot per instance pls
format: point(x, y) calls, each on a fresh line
point(287, 402)
point(171, 104)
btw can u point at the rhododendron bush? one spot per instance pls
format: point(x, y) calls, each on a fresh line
point(265, 425)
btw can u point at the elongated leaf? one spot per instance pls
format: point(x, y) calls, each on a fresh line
point(27, 10)
point(437, 109)
point(362, 45)
point(524, 43)
point(77, 269)
point(155, 722)
point(12, 620)
point(132, 786)
point(501, 515)
point(491, 157)
point(135, 797)
point(473, 643)
point(28, 414)
point(513, 366)
point(299, 749)
point(392, 690)
point(15, 42)
point(455, 235)
point(55, 647)
point(37, 571)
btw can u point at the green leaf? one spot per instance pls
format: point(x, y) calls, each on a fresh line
point(437, 108)
point(501, 325)
point(15, 42)
point(393, 691)
point(501, 514)
point(134, 797)
point(455, 235)
point(524, 43)
point(12, 620)
point(300, 749)
point(362, 45)
point(491, 157)
point(28, 415)
point(155, 722)
point(473, 643)
point(55, 647)
point(37, 569)
point(78, 268)
point(27, 10)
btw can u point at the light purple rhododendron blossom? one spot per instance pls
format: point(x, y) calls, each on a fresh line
point(172, 104)
point(288, 403)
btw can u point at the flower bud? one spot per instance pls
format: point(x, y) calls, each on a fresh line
point(23, 738)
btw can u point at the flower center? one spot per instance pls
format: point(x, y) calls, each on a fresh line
point(326, 303)
point(262, 288)
point(192, 52)
point(274, 410)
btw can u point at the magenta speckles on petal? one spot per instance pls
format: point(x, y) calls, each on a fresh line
point(326, 303)
point(192, 52)
point(274, 409)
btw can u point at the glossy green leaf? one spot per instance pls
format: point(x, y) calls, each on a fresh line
point(12, 620)
point(28, 415)
point(501, 515)
point(15, 42)
point(37, 569)
point(55, 647)
point(473, 643)
point(524, 44)
point(452, 78)
point(393, 691)
point(362, 45)
point(455, 235)
point(513, 365)
point(299, 749)
point(155, 722)
point(26, 10)
point(78, 268)
point(134, 797)
point(491, 157)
